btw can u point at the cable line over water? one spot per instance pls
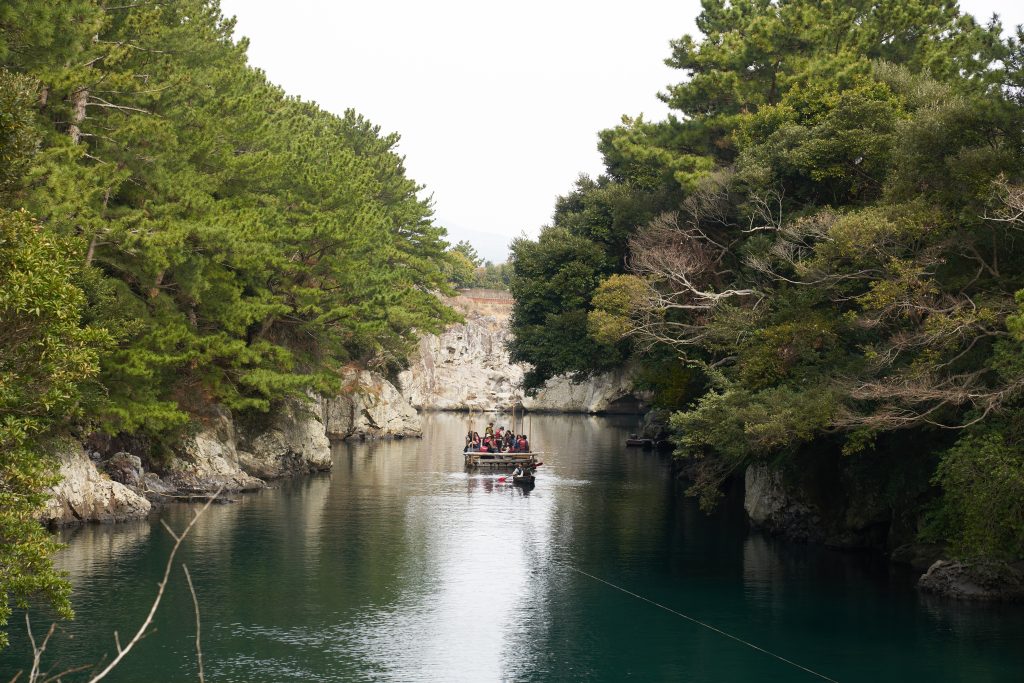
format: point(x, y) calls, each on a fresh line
point(698, 622)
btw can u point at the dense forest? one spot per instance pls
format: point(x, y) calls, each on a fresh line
point(176, 231)
point(817, 259)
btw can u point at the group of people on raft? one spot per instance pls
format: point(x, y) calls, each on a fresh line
point(500, 441)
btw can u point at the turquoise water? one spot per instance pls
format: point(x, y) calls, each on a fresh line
point(400, 566)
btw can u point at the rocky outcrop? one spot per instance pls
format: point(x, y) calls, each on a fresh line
point(291, 441)
point(231, 455)
point(987, 581)
point(611, 392)
point(288, 441)
point(126, 469)
point(208, 460)
point(369, 407)
point(770, 507)
point(467, 367)
point(86, 495)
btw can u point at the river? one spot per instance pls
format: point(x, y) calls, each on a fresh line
point(401, 566)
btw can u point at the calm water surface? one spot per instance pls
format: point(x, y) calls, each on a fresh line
point(400, 566)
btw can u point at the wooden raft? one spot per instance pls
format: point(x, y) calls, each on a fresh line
point(502, 460)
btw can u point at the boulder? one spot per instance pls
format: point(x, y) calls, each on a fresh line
point(983, 581)
point(125, 468)
point(86, 495)
point(770, 507)
point(610, 392)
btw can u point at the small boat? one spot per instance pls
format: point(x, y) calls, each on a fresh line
point(526, 480)
point(635, 440)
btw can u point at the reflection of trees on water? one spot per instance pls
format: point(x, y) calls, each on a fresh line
point(401, 565)
point(93, 547)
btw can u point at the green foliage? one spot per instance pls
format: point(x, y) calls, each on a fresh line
point(674, 385)
point(552, 283)
point(253, 243)
point(18, 140)
point(460, 270)
point(614, 302)
point(827, 231)
point(982, 478)
point(469, 252)
point(825, 145)
point(754, 51)
point(45, 355)
point(493, 276)
point(743, 425)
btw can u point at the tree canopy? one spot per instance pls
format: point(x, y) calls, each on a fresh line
point(210, 238)
point(827, 233)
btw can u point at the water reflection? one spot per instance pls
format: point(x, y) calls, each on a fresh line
point(400, 565)
point(92, 548)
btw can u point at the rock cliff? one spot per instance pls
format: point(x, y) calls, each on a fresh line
point(610, 392)
point(232, 454)
point(84, 495)
point(370, 407)
point(467, 367)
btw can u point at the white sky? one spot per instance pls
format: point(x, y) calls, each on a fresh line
point(498, 104)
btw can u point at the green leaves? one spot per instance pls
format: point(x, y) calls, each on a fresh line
point(982, 479)
point(45, 356)
point(255, 242)
point(239, 245)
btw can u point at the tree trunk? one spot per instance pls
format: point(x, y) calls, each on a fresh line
point(155, 289)
point(79, 98)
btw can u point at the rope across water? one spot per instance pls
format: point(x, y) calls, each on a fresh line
point(698, 622)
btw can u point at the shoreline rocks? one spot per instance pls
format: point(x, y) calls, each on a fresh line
point(84, 495)
point(229, 453)
point(770, 507)
point(976, 581)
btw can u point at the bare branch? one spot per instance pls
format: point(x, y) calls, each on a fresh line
point(95, 101)
point(195, 604)
point(159, 595)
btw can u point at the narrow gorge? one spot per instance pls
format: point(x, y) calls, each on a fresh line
point(465, 368)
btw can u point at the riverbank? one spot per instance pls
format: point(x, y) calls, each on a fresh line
point(391, 546)
point(115, 480)
point(800, 510)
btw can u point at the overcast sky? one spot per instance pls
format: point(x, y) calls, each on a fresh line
point(498, 104)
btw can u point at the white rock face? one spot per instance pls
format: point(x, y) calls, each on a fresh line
point(294, 441)
point(770, 507)
point(84, 495)
point(208, 460)
point(467, 368)
point(370, 407)
point(610, 392)
point(764, 497)
point(288, 441)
